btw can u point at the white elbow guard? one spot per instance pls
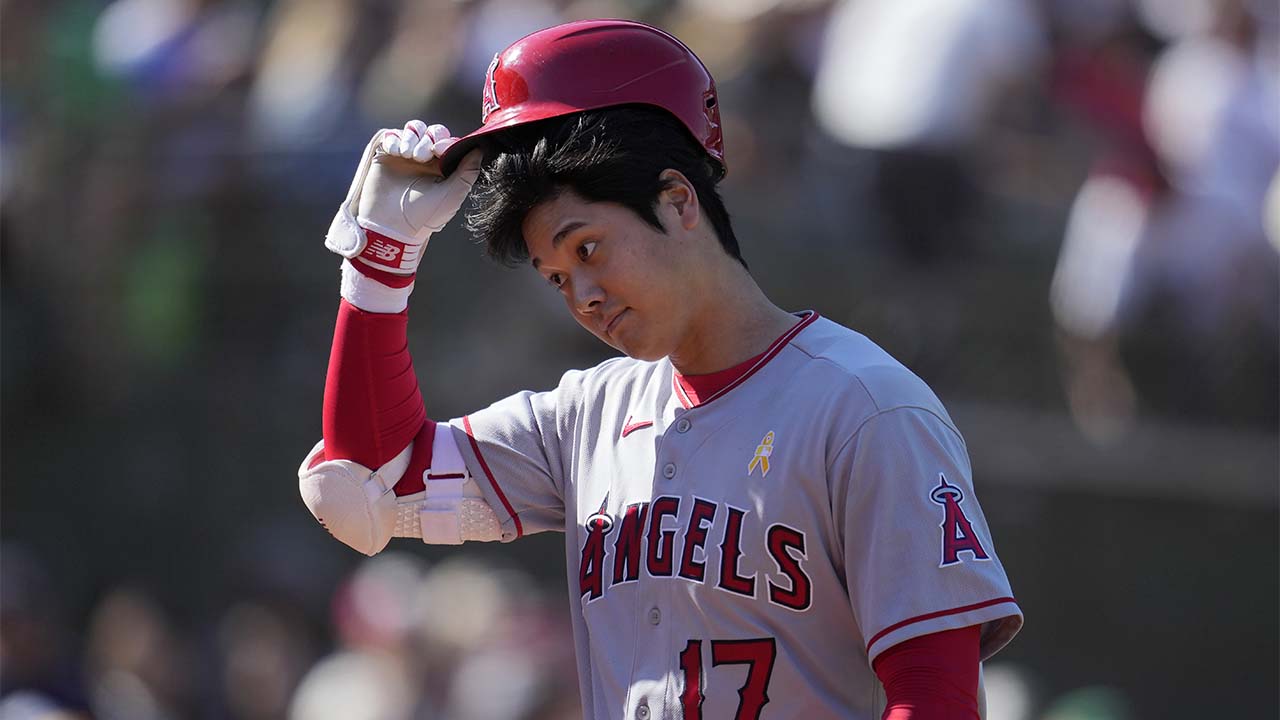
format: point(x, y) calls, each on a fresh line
point(355, 504)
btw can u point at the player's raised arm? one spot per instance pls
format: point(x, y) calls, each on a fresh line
point(365, 481)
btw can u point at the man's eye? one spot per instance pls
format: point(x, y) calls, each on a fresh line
point(585, 250)
point(555, 279)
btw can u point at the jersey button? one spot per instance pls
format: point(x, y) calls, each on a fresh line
point(655, 616)
point(669, 470)
point(683, 425)
point(642, 712)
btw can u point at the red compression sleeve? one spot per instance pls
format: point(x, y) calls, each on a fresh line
point(932, 677)
point(372, 405)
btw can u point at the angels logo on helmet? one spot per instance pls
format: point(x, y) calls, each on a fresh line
point(489, 96)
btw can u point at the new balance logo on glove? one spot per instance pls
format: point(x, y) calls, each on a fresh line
point(382, 250)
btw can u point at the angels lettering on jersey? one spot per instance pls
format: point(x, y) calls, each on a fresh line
point(675, 537)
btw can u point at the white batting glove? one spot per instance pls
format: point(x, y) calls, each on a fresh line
point(398, 197)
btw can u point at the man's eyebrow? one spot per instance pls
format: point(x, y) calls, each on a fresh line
point(559, 238)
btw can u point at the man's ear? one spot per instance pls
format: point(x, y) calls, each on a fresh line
point(679, 193)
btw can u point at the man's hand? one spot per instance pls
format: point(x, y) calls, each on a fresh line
point(398, 197)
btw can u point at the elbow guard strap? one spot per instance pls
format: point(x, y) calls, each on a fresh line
point(452, 509)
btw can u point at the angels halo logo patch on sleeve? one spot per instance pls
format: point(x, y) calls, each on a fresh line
point(957, 532)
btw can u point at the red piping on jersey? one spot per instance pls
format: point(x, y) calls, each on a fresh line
point(631, 427)
point(466, 425)
point(764, 358)
point(932, 615)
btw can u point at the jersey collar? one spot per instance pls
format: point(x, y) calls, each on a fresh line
point(696, 390)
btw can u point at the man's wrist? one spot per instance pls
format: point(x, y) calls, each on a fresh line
point(389, 253)
point(386, 277)
point(366, 291)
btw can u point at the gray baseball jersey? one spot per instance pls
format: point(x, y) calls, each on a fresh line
point(749, 555)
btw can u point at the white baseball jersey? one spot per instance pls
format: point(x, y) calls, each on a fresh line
point(747, 556)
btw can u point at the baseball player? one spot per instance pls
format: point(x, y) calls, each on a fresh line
point(765, 515)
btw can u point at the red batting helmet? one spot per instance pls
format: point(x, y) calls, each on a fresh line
point(592, 64)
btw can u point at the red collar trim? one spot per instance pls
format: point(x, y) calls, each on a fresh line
point(695, 390)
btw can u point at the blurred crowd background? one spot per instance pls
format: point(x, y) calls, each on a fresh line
point(1063, 214)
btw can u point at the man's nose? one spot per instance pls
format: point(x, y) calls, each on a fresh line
point(587, 294)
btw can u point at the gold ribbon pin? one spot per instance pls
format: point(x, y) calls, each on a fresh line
point(761, 458)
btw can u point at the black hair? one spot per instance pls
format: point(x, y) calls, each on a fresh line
point(611, 155)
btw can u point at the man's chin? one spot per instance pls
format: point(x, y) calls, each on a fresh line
point(627, 343)
point(643, 356)
point(635, 350)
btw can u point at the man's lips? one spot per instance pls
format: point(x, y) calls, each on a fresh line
point(613, 322)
